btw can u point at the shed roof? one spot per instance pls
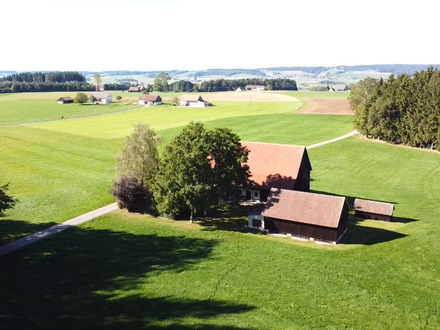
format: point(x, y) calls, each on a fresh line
point(191, 98)
point(134, 89)
point(375, 207)
point(100, 95)
point(149, 97)
point(304, 207)
point(66, 98)
point(275, 165)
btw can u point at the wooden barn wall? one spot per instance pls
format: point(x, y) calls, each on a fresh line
point(302, 229)
point(302, 182)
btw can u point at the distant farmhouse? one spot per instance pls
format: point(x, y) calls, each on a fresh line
point(304, 215)
point(255, 88)
point(373, 210)
point(147, 99)
point(193, 101)
point(134, 89)
point(338, 88)
point(65, 100)
point(276, 166)
point(102, 97)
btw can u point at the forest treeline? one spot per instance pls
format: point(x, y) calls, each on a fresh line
point(222, 85)
point(402, 109)
point(44, 82)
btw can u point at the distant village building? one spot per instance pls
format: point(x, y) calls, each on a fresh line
point(147, 99)
point(102, 98)
point(303, 215)
point(255, 88)
point(65, 100)
point(338, 88)
point(373, 210)
point(134, 89)
point(276, 166)
point(193, 101)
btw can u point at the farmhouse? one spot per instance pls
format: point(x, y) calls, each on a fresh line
point(305, 215)
point(147, 99)
point(65, 100)
point(134, 89)
point(193, 101)
point(276, 166)
point(102, 98)
point(373, 210)
point(255, 88)
point(338, 88)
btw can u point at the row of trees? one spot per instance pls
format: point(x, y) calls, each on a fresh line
point(49, 77)
point(400, 110)
point(198, 169)
point(161, 84)
point(17, 87)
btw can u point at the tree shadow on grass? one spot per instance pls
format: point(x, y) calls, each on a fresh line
point(96, 279)
point(11, 230)
point(227, 217)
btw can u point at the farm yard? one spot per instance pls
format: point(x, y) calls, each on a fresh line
point(124, 271)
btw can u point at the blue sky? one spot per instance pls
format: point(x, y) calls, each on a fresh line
point(102, 35)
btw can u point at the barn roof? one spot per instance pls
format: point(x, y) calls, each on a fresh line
point(100, 95)
point(66, 98)
point(191, 98)
point(275, 165)
point(375, 207)
point(134, 89)
point(149, 97)
point(315, 209)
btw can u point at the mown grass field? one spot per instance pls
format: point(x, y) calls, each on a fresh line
point(126, 271)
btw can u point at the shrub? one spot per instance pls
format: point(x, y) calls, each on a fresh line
point(133, 195)
point(6, 201)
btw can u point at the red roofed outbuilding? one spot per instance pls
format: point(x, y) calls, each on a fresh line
point(306, 215)
point(276, 166)
point(373, 210)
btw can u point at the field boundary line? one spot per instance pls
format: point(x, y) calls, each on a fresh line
point(319, 144)
point(39, 235)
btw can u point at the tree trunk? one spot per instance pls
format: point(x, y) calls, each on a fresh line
point(191, 217)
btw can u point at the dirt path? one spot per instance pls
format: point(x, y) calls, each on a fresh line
point(319, 144)
point(35, 237)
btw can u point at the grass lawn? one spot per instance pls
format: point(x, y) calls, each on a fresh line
point(124, 271)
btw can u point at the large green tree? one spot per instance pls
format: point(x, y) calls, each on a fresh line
point(139, 157)
point(161, 82)
point(198, 168)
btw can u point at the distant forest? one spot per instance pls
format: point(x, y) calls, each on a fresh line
point(402, 109)
point(44, 82)
point(221, 85)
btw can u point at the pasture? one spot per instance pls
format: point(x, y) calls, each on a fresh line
point(124, 271)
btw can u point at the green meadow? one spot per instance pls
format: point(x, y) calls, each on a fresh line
point(125, 271)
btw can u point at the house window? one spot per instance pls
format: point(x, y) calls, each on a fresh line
point(255, 193)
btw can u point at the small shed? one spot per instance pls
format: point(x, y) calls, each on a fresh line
point(147, 99)
point(373, 210)
point(306, 215)
point(193, 101)
point(65, 100)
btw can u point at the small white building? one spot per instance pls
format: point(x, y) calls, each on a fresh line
point(147, 99)
point(193, 101)
point(102, 98)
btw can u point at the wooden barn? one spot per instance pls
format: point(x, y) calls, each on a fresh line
point(306, 215)
point(276, 166)
point(65, 100)
point(147, 99)
point(373, 210)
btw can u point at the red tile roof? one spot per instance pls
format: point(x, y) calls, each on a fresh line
point(149, 97)
point(363, 205)
point(274, 165)
point(134, 89)
point(315, 209)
